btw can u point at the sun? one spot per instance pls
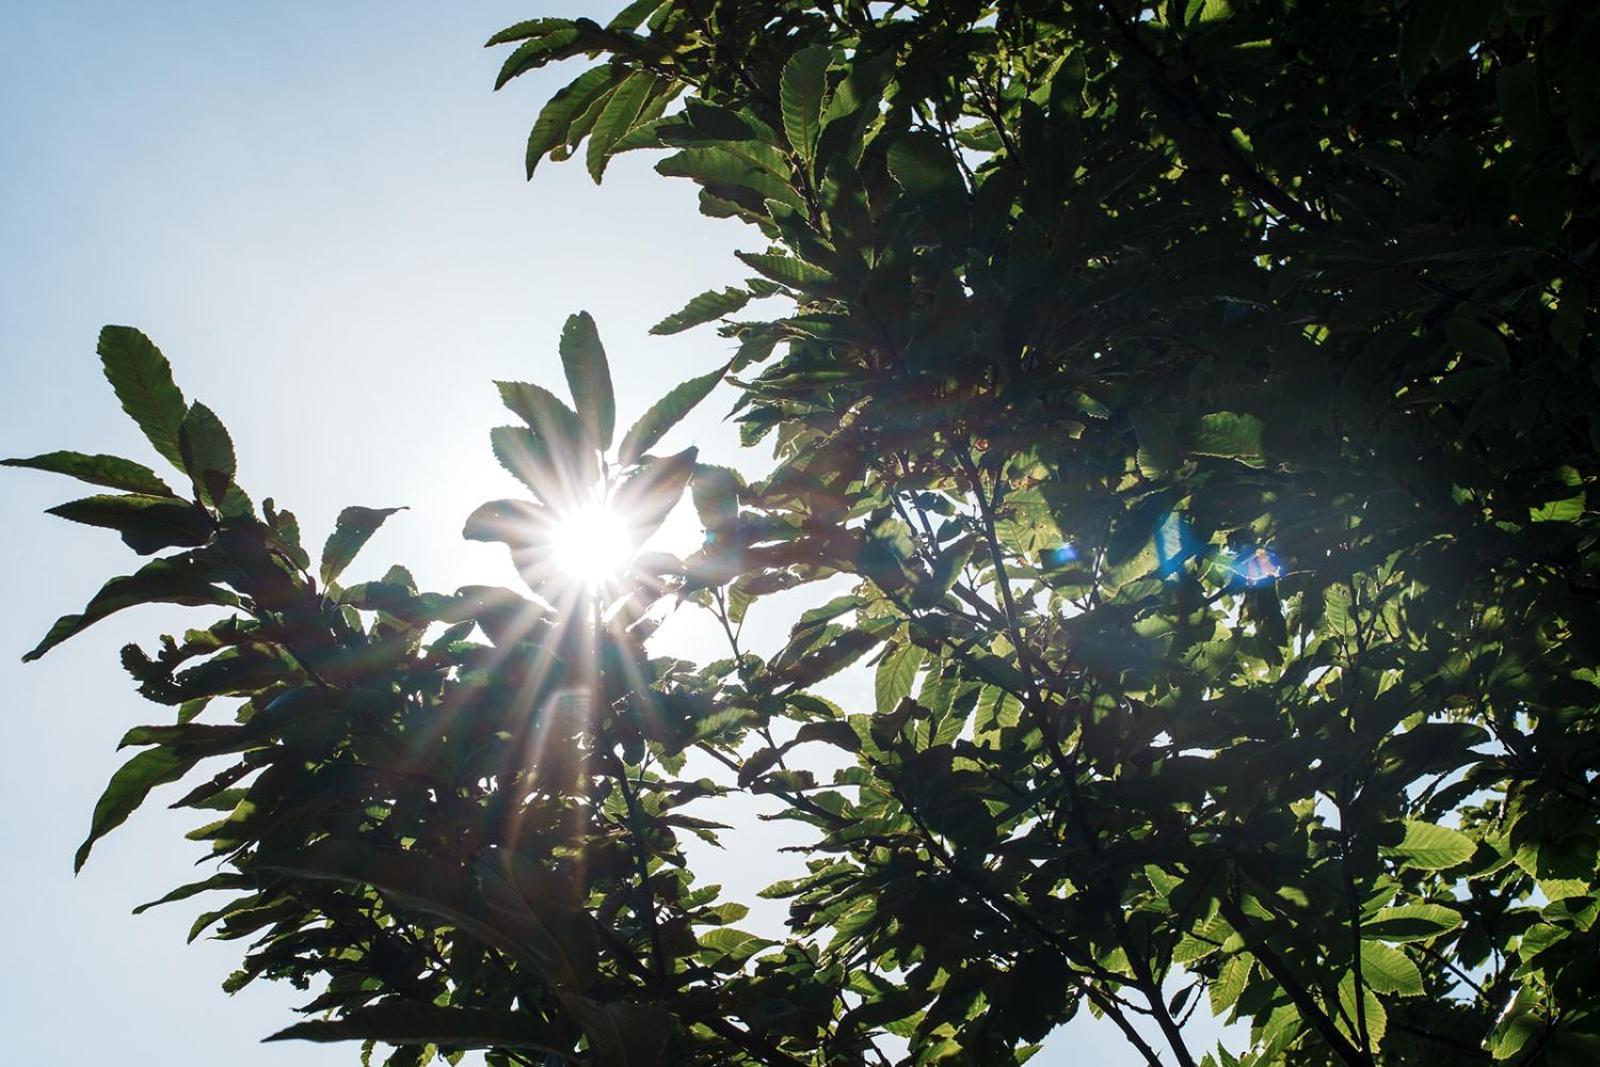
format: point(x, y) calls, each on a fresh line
point(590, 545)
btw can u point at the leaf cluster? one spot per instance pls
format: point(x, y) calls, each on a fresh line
point(1198, 399)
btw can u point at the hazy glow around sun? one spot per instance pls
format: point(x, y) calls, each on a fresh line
point(590, 545)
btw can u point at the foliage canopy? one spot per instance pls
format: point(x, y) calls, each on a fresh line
point(1199, 397)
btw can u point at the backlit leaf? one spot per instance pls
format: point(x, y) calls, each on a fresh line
point(354, 527)
point(142, 380)
point(583, 359)
point(664, 414)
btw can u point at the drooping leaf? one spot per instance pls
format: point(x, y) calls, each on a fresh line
point(352, 530)
point(528, 29)
point(221, 880)
point(583, 359)
point(618, 117)
point(556, 118)
point(142, 380)
point(174, 580)
point(126, 791)
point(664, 414)
point(550, 42)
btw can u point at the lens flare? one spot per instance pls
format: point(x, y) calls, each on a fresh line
point(590, 545)
point(1258, 566)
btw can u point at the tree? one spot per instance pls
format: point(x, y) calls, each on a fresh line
point(1201, 400)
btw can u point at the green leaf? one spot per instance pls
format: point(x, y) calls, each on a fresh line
point(550, 43)
point(174, 580)
point(716, 496)
point(1520, 1022)
point(583, 359)
point(1388, 970)
point(788, 270)
point(528, 29)
point(1232, 977)
point(896, 674)
point(552, 945)
point(354, 527)
point(556, 117)
point(207, 454)
point(951, 559)
point(147, 523)
point(553, 474)
point(644, 497)
point(704, 308)
point(110, 471)
point(142, 379)
point(923, 167)
point(630, 17)
point(1159, 453)
point(402, 1022)
point(622, 1034)
point(1411, 922)
point(221, 880)
point(1473, 338)
point(1198, 11)
point(126, 791)
point(513, 522)
point(1372, 1008)
point(664, 414)
point(1569, 509)
point(620, 113)
point(730, 176)
point(1429, 847)
point(800, 91)
point(726, 947)
point(544, 413)
point(1228, 435)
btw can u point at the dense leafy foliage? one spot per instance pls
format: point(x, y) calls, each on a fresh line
point(1199, 400)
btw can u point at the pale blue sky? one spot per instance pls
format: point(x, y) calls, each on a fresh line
point(318, 211)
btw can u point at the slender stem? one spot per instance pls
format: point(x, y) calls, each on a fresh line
point(641, 859)
point(1354, 906)
point(1302, 999)
point(1011, 910)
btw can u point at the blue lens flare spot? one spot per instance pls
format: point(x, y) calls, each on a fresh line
point(1261, 565)
point(1175, 542)
point(1056, 558)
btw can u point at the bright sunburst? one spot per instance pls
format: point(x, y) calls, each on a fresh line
point(590, 545)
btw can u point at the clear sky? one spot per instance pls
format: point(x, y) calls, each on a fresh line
point(318, 212)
